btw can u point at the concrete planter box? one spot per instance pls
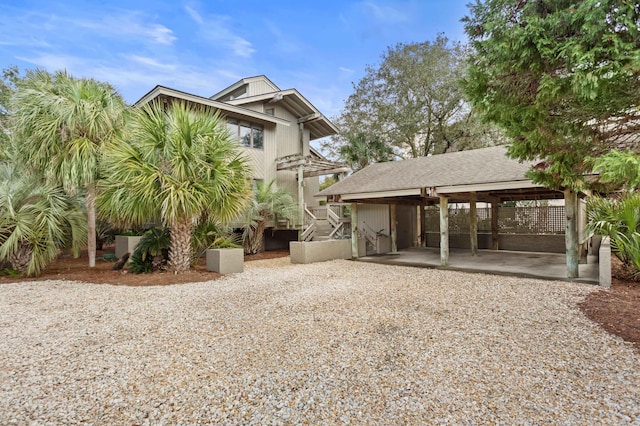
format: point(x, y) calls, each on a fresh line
point(126, 244)
point(319, 251)
point(226, 260)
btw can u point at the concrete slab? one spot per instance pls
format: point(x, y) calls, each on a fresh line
point(549, 266)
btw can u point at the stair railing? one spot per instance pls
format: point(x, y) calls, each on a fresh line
point(309, 226)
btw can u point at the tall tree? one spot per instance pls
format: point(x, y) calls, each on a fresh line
point(410, 100)
point(359, 151)
point(561, 77)
point(10, 76)
point(177, 166)
point(61, 124)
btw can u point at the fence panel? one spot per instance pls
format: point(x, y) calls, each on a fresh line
point(540, 220)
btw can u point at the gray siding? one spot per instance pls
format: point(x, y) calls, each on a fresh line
point(259, 87)
point(375, 216)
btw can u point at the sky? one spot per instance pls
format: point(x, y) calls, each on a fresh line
point(201, 47)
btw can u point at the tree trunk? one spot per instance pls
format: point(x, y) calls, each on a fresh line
point(91, 224)
point(19, 260)
point(180, 245)
point(256, 238)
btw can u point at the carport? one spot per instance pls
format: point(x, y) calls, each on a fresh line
point(482, 175)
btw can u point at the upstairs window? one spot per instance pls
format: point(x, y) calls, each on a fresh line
point(247, 134)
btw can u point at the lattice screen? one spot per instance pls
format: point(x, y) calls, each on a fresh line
point(511, 220)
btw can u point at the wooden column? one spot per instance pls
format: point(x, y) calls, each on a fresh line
point(571, 232)
point(301, 200)
point(394, 228)
point(444, 231)
point(473, 224)
point(494, 225)
point(354, 230)
point(423, 224)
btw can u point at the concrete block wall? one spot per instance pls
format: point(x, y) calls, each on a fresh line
point(319, 251)
point(515, 242)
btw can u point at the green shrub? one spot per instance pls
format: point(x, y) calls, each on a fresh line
point(619, 219)
point(152, 252)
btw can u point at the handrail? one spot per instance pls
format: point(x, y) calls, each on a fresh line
point(369, 234)
point(309, 232)
point(333, 218)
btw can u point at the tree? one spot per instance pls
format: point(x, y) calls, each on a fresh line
point(7, 87)
point(561, 77)
point(621, 168)
point(269, 203)
point(37, 220)
point(359, 151)
point(177, 166)
point(410, 101)
point(61, 124)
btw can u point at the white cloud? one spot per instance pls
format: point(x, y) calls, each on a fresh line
point(386, 14)
point(217, 29)
point(346, 70)
point(197, 18)
point(129, 24)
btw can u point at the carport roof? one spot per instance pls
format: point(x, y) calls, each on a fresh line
point(480, 170)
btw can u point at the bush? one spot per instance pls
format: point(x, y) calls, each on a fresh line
point(152, 252)
point(619, 219)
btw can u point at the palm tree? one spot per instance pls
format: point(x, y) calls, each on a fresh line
point(62, 124)
point(177, 166)
point(619, 219)
point(269, 203)
point(360, 151)
point(37, 220)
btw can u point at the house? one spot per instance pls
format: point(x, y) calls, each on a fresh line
point(274, 129)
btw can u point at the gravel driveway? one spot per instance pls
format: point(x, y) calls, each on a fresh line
point(330, 343)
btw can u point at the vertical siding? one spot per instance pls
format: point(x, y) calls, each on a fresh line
point(407, 217)
point(376, 217)
point(288, 139)
point(311, 188)
point(259, 87)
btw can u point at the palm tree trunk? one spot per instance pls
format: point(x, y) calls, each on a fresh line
point(20, 259)
point(180, 246)
point(91, 224)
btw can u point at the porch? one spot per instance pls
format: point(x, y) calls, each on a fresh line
point(547, 266)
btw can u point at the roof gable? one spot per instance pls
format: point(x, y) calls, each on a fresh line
point(269, 86)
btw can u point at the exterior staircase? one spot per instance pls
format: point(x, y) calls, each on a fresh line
point(323, 230)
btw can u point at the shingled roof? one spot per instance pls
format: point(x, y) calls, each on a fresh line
point(487, 168)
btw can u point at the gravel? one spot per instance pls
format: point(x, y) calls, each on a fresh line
point(338, 342)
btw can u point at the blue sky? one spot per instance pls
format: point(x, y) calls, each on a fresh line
point(317, 47)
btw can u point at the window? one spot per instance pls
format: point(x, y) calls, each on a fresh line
point(257, 137)
point(246, 134)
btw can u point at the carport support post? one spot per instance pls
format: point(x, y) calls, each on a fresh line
point(394, 228)
point(301, 200)
point(423, 224)
point(494, 225)
point(444, 231)
point(571, 232)
point(354, 230)
point(473, 224)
